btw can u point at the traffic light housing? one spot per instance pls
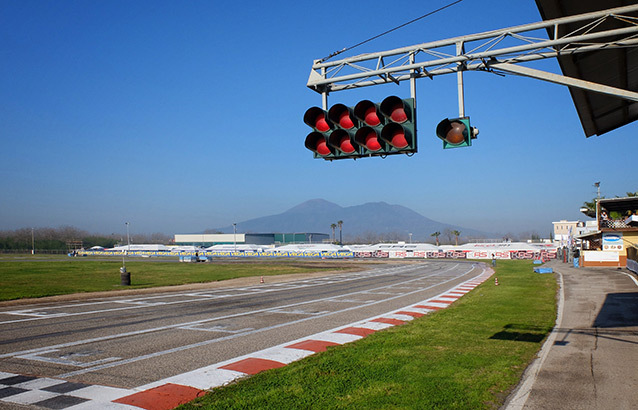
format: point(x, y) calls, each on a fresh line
point(368, 135)
point(368, 129)
point(342, 138)
point(399, 130)
point(317, 140)
point(456, 132)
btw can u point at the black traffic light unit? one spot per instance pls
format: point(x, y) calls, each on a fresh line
point(316, 141)
point(342, 138)
point(456, 132)
point(365, 130)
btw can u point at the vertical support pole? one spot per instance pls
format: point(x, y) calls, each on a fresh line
point(324, 93)
point(413, 80)
point(460, 50)
point(597, 185)
point(413, 74)
point(234, 237)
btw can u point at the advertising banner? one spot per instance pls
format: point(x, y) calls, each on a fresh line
point(613, 242)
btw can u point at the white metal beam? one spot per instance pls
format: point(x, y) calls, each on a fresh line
point(564, 80)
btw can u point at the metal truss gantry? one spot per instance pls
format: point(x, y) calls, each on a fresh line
point(497, 51)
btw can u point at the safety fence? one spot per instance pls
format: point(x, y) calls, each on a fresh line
point(632, 256)
point(36, 252)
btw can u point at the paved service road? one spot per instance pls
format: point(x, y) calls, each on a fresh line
point(131, 341)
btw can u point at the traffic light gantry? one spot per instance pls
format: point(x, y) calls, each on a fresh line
point(366, 130)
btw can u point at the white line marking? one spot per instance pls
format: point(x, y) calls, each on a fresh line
point(281, 354)
point(30, 397)
point(631, 277)
point(216, 329)
point(372, 325)
point(67, 362)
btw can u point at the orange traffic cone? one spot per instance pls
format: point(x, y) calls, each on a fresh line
point(496, 281)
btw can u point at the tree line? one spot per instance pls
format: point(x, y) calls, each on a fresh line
point(446, 237)
point(65, 238)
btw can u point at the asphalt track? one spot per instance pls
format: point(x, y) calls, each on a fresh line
point(122, 343)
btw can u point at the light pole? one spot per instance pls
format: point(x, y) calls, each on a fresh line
point(128, 240)
point(235, 237)
point(410, 236)
point(125, 277)
point(123, 269)
point(597, 185)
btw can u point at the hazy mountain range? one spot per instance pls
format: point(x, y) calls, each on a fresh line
point(374, 219)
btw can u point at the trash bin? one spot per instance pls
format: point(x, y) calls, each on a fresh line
point(576, 257)
point(125, 277)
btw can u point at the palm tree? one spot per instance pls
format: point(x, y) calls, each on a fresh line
point(589, 208)
point(340, 224)
point(436, 235)
point(333, 226)
point(456, 236)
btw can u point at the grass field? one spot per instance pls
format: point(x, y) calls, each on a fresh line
point(468, 356)
point(37, 276)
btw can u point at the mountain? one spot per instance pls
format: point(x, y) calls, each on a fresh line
point(394, 222)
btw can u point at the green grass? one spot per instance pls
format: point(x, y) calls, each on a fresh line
point(36, 276)
point(468, 356)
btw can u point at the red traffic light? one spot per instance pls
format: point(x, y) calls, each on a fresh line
point(393, 107)
point(321, 124)
point(366, 111)
point(394, 134)
point(315, 118)
point(340, 114)
point(340, 139)
point(456, 134)
point(368, 138)
point(316, 142)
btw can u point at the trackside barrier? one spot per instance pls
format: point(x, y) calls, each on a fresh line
point(445, 254)
point(189, 256)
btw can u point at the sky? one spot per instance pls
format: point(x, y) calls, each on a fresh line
point(183, 116)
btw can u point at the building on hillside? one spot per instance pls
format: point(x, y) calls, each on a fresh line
point(250, 238)
point(615, 241)
point(565, 231)
point(141, 247)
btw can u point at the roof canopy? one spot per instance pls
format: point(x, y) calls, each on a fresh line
point(598, 113)
point(620, 204)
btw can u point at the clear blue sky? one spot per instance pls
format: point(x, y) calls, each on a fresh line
point(182, 116)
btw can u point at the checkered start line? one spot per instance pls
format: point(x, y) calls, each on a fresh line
point(168, 393)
